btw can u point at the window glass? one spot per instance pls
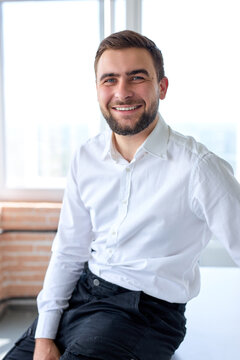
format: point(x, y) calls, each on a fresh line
point(119, 15)
point(200, 45)
point(50, 103)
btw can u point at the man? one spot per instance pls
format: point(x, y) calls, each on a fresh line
point(142, 202)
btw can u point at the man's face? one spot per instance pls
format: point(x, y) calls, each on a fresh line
point(128, 90)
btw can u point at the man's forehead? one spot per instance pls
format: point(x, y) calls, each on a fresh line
point(124, 61)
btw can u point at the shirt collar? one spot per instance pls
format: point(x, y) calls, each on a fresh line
point(108, 144)
point(155, 144)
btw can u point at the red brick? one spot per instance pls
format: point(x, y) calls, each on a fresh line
point(29, 216)
point(24, 255)
point(25, 277)
point(20, 290)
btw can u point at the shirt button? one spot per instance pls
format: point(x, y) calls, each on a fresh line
point(96, 282)
point(127, 169)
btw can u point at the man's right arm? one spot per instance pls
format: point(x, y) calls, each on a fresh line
point(71, 248)
point(61, 277)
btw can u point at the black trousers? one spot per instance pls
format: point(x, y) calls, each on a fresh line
point(108, 322)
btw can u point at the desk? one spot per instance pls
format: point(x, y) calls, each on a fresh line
point(213, 327)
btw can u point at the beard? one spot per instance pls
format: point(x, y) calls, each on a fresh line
point(143, 122)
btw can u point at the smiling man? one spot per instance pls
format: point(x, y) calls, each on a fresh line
point(129, 90)
point(141, 203)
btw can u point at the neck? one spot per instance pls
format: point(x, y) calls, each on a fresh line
point(127, 145)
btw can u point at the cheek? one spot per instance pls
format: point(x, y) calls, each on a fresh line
point(153, 95)
point(104, 96)
point(149, 93)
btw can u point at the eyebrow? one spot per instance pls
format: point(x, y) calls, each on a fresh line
point(108, 75)
point(138, 71)
point(129, 73)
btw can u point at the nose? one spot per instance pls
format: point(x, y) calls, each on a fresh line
point(123, 90)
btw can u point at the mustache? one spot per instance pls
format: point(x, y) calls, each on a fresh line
point(127, 102)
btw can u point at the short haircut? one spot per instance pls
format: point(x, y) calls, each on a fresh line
point(131, 39)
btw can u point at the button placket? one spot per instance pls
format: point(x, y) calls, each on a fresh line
point(124, 196)
point(125, 186)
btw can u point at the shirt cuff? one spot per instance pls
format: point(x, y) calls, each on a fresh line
point(47, 325)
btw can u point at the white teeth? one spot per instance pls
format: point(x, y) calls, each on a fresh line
point(126, 108)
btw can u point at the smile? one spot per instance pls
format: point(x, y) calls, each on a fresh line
point(129, 108)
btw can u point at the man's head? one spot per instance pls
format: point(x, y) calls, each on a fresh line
point(130, 81)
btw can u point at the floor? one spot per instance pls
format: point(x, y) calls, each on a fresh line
point(213, 330)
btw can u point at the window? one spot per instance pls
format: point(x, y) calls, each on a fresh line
point(50, 105)
point(199, 41)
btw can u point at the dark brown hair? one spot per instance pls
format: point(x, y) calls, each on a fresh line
point(131, 39)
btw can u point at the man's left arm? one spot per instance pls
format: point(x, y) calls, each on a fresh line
point(216, 195)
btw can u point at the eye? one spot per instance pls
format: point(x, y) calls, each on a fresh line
point(137, 78)
point(109, 81)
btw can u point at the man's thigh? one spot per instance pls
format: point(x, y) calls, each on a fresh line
point(118, 324)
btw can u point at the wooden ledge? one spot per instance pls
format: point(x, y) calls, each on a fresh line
point(29, 215)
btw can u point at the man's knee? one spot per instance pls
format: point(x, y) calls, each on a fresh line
point(23, 350)
point(24, 346)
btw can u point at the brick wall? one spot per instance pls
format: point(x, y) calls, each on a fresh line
point(27, 231)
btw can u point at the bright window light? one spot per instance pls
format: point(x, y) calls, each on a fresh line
point(50, 103)
point(200, 45)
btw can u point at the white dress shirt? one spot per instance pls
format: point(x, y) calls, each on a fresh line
point(141, 225)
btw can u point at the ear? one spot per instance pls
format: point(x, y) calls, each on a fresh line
point(163, 86)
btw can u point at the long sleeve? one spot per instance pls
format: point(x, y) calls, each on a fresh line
point(216, 197)
point(71, 248)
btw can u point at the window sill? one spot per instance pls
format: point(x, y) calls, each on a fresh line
point(29, 216)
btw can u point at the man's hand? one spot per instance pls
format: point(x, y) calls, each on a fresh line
point(45, 349)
